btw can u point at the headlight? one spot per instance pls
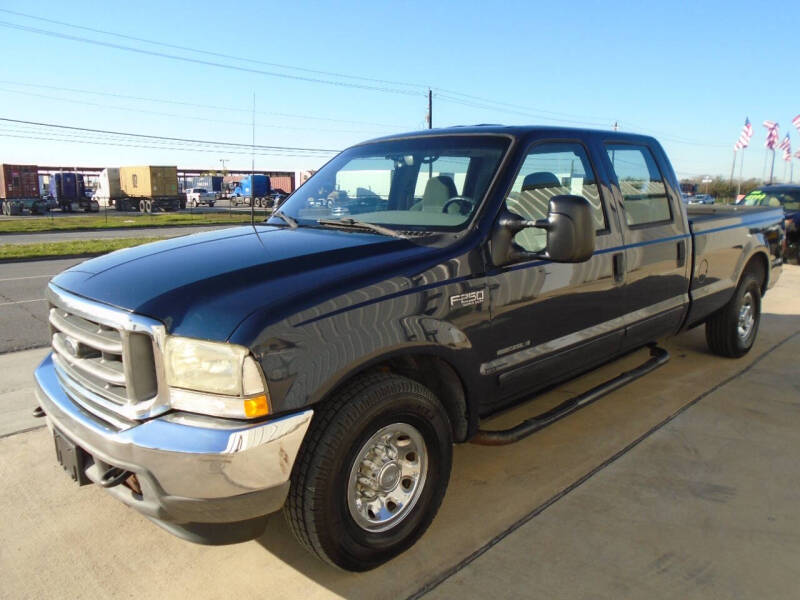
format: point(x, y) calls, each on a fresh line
point(214, 378)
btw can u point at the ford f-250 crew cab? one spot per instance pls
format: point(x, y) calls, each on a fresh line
point(326, 363)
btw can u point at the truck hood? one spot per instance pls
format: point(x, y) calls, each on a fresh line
point(204, 285)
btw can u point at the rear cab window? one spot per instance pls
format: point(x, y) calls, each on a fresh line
point(641, 184)
point(552, 169)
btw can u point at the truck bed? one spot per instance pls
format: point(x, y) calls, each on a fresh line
point(724, 240)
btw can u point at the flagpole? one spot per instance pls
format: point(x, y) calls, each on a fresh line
point(741, 168)
point(772, 166)
point(733, 166)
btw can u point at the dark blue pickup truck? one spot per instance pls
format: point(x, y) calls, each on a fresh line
point(326, 360)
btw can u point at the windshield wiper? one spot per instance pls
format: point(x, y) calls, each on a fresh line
point(349, 222)
point(289, 220)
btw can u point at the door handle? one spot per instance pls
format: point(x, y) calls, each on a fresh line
point(619, 267)
point(681, 253)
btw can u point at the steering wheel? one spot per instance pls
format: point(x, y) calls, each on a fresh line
point(464, 203)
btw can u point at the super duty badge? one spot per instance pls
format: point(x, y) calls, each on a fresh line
point(468, 298)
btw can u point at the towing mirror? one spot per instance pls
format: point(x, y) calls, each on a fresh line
point(570, 233)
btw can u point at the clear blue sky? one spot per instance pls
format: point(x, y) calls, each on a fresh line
point(685, 72)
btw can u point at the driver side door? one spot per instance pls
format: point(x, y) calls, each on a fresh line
point(551, 320)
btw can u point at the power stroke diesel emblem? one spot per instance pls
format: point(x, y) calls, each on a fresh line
point(468, 298)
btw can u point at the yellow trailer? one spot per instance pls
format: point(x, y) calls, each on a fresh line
point(149, 187)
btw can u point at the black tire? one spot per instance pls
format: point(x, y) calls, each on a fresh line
point(727, 333)
point(317, 508)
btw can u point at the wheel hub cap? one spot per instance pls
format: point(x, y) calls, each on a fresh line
point(387, 477)
point(746, 317)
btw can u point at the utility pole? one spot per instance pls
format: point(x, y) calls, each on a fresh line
point(430, 109)
point(253, 168)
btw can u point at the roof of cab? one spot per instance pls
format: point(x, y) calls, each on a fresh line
point(517, 131)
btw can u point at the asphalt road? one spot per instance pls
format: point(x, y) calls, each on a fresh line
point(23, 310)
point(681, 485)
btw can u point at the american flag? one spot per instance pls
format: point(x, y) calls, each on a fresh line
point(772, 134)
point(796, 122)
point(745, 135)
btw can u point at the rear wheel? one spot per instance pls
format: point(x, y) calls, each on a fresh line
point(733, 329)
point(372, 472)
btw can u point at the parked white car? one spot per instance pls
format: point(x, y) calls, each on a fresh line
point(198, 196)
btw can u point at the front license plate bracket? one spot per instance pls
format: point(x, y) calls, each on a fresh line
point(71, 457)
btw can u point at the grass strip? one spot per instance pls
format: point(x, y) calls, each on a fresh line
point(70, 248)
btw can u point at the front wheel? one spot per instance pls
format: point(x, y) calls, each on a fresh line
point(372, 472)
point(732, 330)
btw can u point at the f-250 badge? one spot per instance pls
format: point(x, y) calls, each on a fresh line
point(468, 298)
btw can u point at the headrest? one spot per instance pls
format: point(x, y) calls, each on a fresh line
point(441, 185)
point(540, 179)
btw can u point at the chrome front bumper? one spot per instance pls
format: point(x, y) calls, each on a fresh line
point(191, 469)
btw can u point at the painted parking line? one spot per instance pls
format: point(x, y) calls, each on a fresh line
point(26, 277)
point(22, 302)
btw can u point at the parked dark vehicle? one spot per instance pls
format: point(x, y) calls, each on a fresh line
point(326, 362)
point(69, 191)
point(701, 199)
point(786, 197)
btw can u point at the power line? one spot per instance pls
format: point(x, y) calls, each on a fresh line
point(447, 98)
point(207, 63)
point(180, 116)
point(150, 147)
point(210, 53)
point(192, 104)
point(161, 137)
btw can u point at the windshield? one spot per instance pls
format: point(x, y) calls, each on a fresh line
point(788, 199)
point(430, 183)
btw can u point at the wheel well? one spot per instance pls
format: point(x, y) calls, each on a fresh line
point(438, 376)
point(758, 266)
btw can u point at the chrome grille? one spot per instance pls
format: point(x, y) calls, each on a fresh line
point(108, 360)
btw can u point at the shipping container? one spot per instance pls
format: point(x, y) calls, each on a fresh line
point(282, 181)
point(19, 181)
point(149, 181)
point(212, 183)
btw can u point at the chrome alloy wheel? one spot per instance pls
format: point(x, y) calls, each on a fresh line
point(747, 317)
point(387, 477)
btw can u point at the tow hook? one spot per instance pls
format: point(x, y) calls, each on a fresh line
point(113, 477)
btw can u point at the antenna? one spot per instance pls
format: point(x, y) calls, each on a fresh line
point(253, 169)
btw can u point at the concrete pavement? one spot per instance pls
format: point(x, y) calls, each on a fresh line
point(16, 387)
point(705, 507)
point(660, 515)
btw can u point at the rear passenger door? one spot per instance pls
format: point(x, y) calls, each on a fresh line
point(552, 319)
point(656, 242)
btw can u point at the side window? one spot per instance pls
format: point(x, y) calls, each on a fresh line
point(549, 170)
point(644, 194)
